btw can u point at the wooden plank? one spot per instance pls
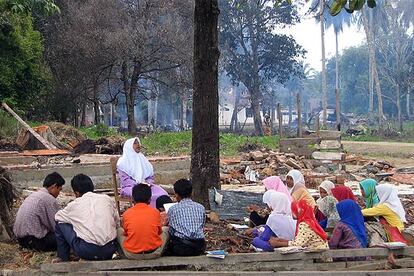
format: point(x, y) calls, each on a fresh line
point(329, 134)
point(332, 156)
point(44, 152)
point(399, 272)
point(25, 125)
point(259, 259)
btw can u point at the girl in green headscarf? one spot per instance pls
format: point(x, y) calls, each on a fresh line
point(369, 192)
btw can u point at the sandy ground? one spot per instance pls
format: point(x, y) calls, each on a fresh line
point(401, 154)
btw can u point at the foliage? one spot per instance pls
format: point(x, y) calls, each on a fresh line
point(28, 6)
point(254, 53)
point(24, 80)
point(8, 125)
point(336, 6)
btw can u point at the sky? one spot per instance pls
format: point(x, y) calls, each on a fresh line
point(308, 34)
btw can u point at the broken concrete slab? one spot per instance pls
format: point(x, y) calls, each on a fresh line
point(330, 145)
point(332, 156)
point(329, 134)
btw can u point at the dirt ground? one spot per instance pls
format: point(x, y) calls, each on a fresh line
point(399, 154)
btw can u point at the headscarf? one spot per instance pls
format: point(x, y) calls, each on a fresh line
point(298, 180)
point(371, 197)
point(327, 206)
point(327, 186)
point(276, 184)
point(388, 195)
point(351, 215)
point(342, 193)
point(304, 213)
point(136, 165)
point(280, 219)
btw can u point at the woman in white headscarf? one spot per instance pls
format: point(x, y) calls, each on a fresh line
point(134, 168)
point(280, 222)
point(296, 186)
point(389, 207)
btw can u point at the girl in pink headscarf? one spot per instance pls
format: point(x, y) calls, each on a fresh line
point(276, 184)
point(271, 183)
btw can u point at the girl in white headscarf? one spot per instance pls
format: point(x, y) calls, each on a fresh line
point(296, 186)
point(134, 168)
point(389, 207)
point(280, 222)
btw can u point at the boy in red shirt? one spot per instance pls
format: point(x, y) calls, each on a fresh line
point(142, 236)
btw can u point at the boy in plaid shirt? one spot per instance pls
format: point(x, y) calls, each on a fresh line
point(186, 221)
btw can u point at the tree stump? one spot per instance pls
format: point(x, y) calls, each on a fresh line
point(26, 140)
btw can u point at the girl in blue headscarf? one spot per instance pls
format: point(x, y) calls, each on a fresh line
point(349, 232)
point(369, 192)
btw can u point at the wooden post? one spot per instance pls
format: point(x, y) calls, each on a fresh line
point(25, 125)
point(280, 119)
point(317, 124)
point(299, 115)
point(338, 111)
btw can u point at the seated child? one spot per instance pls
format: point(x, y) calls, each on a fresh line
point(87, 226)
point(164, 199)
point(279, 224)
point(142, 236)
point(327, 206)
point(186, 220)
point(349, 232)
point(309, 233)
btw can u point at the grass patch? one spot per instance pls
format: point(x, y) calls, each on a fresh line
point(179, 143)
point(167, 143)
point(231, 144)
point(98, 131)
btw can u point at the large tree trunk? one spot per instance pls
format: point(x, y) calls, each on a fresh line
point(257, 118)
point(337, 92)
point(370, 88)
point(205, 141)
point(234, 122)
point(130, 89)
point(97, 119)
point(371, 52)
point(407, 104)
point(398, 94)
point(255, 93)
point(324, 86)
point(83, 113)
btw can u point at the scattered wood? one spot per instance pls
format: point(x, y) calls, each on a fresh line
point(26, 140)
point(44, 152)
point(45, 143)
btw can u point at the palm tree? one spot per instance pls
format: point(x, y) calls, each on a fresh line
point(405, 7)
point(369, 18)
point(337, 22)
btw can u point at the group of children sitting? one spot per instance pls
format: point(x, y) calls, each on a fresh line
point(91, 229)
point(334, 221)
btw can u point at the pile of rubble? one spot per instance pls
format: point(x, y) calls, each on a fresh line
point(259, 164)
point(253, 167)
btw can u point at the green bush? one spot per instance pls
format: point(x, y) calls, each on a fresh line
point(98, 131)
point(8, 126)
